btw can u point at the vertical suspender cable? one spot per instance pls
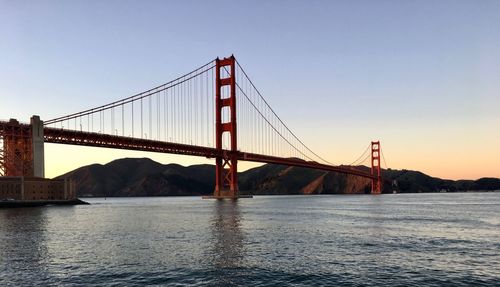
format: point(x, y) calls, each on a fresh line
point(142, 131)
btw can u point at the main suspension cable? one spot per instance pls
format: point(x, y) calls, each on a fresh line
point(279, 119)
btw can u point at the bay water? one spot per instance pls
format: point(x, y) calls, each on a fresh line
point(443, 239)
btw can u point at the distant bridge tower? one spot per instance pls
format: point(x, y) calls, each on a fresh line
point(376, 182)
point(226, 166)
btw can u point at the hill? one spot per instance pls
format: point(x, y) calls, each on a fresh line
point(145, 177)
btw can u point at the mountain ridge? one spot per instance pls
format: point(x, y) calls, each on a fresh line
point(145, 177)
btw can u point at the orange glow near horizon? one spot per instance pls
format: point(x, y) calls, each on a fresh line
point(436, 158)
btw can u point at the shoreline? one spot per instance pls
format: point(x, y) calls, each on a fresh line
point(37, 203)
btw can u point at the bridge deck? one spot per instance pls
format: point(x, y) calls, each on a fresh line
point(72, 137)
point(62, 136)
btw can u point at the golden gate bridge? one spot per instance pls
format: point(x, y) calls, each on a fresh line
point(215, 111)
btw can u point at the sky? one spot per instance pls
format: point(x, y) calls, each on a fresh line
point(423, 77)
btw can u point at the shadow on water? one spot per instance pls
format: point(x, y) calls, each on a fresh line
point(227, 252)
point(23, 248)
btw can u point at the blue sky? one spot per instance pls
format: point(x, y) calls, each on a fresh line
point(421, 76)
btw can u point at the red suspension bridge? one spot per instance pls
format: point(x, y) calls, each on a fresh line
point(214, 111)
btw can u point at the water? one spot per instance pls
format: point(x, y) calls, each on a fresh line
point(387, 240)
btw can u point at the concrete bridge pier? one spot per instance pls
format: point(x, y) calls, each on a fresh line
point(37, 147)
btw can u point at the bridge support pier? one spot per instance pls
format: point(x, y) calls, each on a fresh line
point(376, 182)
point(22, 148)
point(37, 146)
point(226, 166)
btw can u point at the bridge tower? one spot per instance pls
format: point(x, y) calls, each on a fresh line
point(375, 171)
point(226, 165)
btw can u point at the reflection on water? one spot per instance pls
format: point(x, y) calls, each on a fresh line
point(227, 252)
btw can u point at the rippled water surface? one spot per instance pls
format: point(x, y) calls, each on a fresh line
point(386, 240)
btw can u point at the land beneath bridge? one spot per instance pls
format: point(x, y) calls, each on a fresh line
point(145, 177)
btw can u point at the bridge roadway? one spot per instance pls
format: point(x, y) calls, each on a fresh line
point(61, 136)
point(81, 138)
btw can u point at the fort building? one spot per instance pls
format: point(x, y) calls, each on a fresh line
point(36, 189)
